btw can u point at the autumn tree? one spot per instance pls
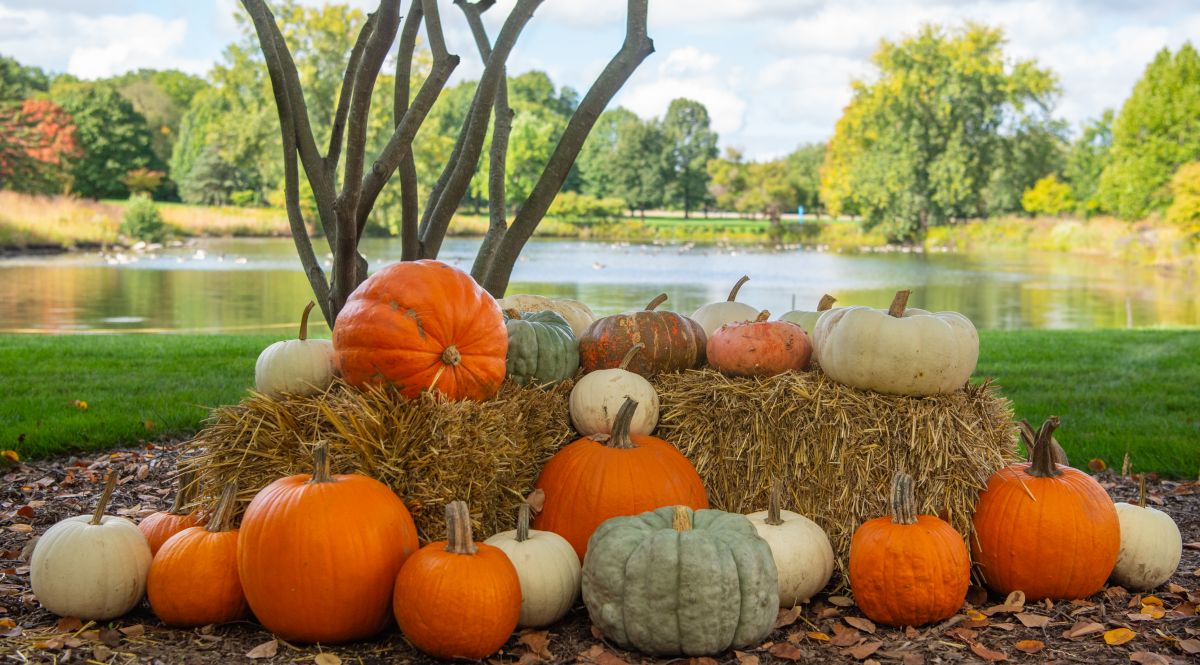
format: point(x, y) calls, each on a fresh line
point(37, 145)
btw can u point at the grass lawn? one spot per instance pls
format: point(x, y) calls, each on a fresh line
point(1112, 389)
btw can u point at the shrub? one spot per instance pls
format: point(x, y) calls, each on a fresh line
point(143, 181)
point(142, 220)
point(244, 198)
point(1048, 196)
point(584, 207)
point(1185, 190)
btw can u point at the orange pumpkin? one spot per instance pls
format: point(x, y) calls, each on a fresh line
point(1046, 529)
point(759, 347)
point(318, 554)
point(672, 341)
point(457, 598)
point(588, 482)
point(194, 577)
point(422, 325)
point(908, 569)
point(159, 526)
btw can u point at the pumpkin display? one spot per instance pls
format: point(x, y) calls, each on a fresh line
point(547, 566)
point(318, 553)
point(802, 552)
point(1151, 545)
point(194, 579)
point(1048, 530)
point(542, 350)
point(908, 569)
point(672, 341)
point(457, 598)
point(422, 325)
point(91, 566)
point(161, 525)
point(589, 481)
point(578, 315)
point(301, 366)
point(759, 347)
point(671, 582)
point(901, 351)
point(597, 396)
point(806, 319)
point(716, 314)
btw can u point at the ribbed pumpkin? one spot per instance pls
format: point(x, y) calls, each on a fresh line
point(1048, 530)
point(422, 325)
point(1151, 545)
point(301, 366)
point(716, 314)
point(673, 341)
point(542, 350)
point(908, 569)
point(588, 481)
point(577, 314)
point(759, 347)
point(808, 319)
point(159, 526)
point(318, 554)
point(457, 598)
point(802, 552)
point(598, 395)
point(194, 577)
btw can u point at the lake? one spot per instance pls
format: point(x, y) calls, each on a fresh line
point(214, 285)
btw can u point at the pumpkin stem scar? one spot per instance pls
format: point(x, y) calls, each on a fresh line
point(459, 539)
point(620, 429)
point(904, 503)
point(773, 502)
point(896, 309)
point(679, 519)
point(109, 486)
point(737, 287)
point(321, 472)
point(451, 356)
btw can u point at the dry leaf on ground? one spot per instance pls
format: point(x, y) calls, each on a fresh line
point(990, 655)
point(1030, 646)
point(264, 650)
point(326, 658)
point(862, 624)
point(864, 650)
point(1148, 658)
point(1118, 636)
point(1081, 629)
point(785, 651)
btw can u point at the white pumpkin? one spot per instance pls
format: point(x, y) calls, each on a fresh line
point(898, 351)
point(716, 314)
point(91, 566)
point(302, 366)
point(1151, 545)
point(808, 320)
point(802, 552)
point(578, 315)
point(547, 566)
point(598, 396)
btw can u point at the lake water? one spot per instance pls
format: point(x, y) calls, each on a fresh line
point(255, 284)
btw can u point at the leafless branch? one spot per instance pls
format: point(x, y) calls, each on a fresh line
point(409, 200)
point(334, 153)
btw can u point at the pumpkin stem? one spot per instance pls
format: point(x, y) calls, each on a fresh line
point(523, 522)
point(680, 521)
point(620, 429)
point(826, 303)
point(321, 472)
point(904, 503)
point(737, 287)
point(512, 314)
point(658, 300)
point(773, 502)
point(1041, 459)
point(899, 303)
point(1142, 489)
point(451, 356)
point(304, 320)
point(222, 518)
point(633, 351)
point(459, 539)
point(186, 489)
point(762, 316)
point(109, 485)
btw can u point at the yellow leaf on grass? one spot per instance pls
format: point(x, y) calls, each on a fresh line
point(11, 456)
point(1118, 636)
point(1097, 465)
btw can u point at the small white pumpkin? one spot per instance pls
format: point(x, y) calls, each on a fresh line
point(716, 314)
point(91, 566)
point(808, 320)
point(1151, 545)
point(897, 351)
point(802, 552)
point(302, 366)
point(578, 315)
point(598, 396)
point(547, 566)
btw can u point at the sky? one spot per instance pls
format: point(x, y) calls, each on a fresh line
point(774, 74)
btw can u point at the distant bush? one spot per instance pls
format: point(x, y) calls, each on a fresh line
point(1049, 196)
point(143, 181)
point(584, 207)
point(1185, 190)
point(244, 198)
point(142, 220)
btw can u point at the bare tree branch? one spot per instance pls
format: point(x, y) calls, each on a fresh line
point(409, 200)
point(334, 153)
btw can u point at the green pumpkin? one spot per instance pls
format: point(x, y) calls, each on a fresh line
point(672, 582)
point(541, 347)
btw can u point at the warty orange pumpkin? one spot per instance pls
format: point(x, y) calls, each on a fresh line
point(159, 526)
point(759, 347)
point(672, 341)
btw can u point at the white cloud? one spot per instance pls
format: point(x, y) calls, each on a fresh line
point(694, 74)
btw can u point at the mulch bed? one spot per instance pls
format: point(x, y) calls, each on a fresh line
point(34, 495)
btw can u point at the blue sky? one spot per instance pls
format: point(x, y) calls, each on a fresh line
point(773, 73)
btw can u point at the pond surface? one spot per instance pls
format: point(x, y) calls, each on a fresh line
point(255, 284)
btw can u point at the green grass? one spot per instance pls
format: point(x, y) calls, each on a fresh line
point(1112, 389)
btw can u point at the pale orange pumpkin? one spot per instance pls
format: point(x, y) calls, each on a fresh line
point(759, 347)
point(159, 526)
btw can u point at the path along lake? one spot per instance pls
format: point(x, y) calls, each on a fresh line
point(215, 285)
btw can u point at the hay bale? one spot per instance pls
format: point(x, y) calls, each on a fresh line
point(835, 447)
point(429, 450)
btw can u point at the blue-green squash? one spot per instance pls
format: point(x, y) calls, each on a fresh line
point(542, 349)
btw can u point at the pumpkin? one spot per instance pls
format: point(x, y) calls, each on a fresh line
point(422, 325)
point(673, 342)
point(1151, 545)
point(897, 352)
point(597, 396)
point(159, 526)
point(1048, 530)
point(577, 314)
point(457, 598)
point(808, 320)
point(91, 566)
point(318, 553)
point(301, 366)
point(908, 569)
point(672, 582)
point(193, 579)
point(759, 347)
point(802, 552)
point(547, 566)
point(716, 314)
point(542, 349)
point(588, 481)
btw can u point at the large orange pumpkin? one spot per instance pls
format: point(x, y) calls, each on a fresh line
point(908, 569)
point(759, 347)
point(194, 577)
point(457, 598)
point(588, 482)
point(1046, 529)
point(159, 526)
point(318, 554)
point(672, 341)
point(420, 325)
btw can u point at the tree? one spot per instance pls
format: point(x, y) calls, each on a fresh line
point(19, 82)
point(601, 171)
point(1085, 162)
point(727, 179)
point(1050, 196)
point(642, 175)
point(212, 179)
point(1028, 152)
point(804, 175)
point(162, 97)
point(1185, 190)
point(37, 144)
point(690, 143)
point(768, 190)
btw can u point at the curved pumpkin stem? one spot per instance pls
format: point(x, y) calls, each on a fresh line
point(304, 320)
point(523, 522)
point(459, 539)
point(620, 430)
point(658, 300)
point(826, 303)
point(1041, 460)
point(680, 520)
point(109, 485)
point(899, 302)
point(773, 502)
point(321, 473)
point(762, 316)
point(628, 358)
point(737, 287)
point(222, 518)
point(904, 502)
point(185, 490)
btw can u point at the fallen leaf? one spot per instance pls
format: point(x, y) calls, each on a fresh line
point(7, 623)
point(785, 651)
point(862, 624)
point(1175, 588)
point(1147, 658)
point(1193, 546)
point(744, 658)
point(1032, 620)
point(1096, 465)
point(538, 643)
point(1118, 636)
point(864, 650)
point(842, 601)
point(845, 637)
point(1152, 600)
point(10, 456)
point(1138, 616)
point(264, 650)
point(21, 528)
point(26, 511)
point(1190, 646)
point(1015, 599)
point(326, 658)
point(786, 617)
point(1082, 628)
point(964, 634)
point(110, 637)
point(976, 595)
point(703, 660)
point(101, 653)
point(1154, 611)
point(1030, 646)
point(913, 659)
point(136, 630)
point(79, 404)
point(819, 637)
point(987, 654)
point(148, 424)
